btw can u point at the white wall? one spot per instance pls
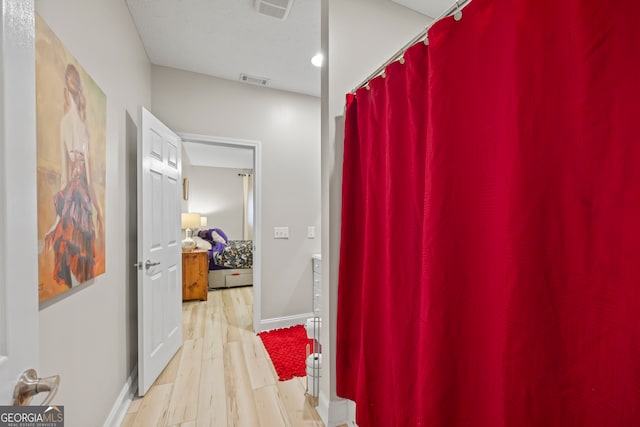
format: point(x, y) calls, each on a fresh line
point(88, 337)
point(217, 193)
point(288, 126)
point(359, 36)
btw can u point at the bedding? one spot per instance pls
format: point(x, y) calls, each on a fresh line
point(236, 254)
point(225, 253)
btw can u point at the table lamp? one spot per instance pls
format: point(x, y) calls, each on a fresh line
point(189, 221)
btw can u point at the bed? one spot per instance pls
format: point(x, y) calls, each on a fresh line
point(230, 261)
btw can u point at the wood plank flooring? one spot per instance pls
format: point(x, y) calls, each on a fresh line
point(222, 376)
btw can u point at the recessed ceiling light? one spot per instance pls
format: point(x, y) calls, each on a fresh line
point(317, 60)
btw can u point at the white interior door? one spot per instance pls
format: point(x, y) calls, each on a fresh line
point(159, 248)
point(18, 238)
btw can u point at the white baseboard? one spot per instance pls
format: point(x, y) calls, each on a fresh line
point(336, 412)
point(351, 412)
point(323, 408)
point(121, 405)
point(284, 322)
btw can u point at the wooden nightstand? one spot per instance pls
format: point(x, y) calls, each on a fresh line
point(195, 275)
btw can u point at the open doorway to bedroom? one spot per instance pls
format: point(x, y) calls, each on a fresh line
point(222, 186)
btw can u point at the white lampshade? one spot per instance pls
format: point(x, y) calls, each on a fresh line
point(203, 221)
point(190, 220)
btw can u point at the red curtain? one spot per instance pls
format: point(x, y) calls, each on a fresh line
point(490, 259)
point(381, 249)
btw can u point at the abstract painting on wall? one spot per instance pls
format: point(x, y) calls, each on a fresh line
point(71, 116)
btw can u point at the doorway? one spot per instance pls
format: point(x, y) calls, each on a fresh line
point(243, 149)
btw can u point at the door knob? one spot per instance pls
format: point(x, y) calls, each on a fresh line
point(29, 385)
point(150, 264)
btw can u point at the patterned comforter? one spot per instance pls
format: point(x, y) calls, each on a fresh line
point(237, 254)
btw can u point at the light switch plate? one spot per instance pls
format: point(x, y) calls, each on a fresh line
point(280, 232)
point(311, 232)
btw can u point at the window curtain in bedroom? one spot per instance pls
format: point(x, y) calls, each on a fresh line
point(490, 252)
point(247, 208)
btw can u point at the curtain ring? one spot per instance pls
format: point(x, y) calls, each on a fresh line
point(401, 60)
point(384, 74)
point(367, 87)
point(426, 39)
point(458, 15)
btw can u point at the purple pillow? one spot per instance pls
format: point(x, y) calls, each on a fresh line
point(205, 234)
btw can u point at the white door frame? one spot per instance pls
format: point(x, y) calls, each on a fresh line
point(19, 315)
point(257, 211)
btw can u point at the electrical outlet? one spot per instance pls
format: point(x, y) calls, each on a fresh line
point(311, 232)
point(280, 232)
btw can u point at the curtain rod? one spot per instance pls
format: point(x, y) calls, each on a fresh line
point(457, 6)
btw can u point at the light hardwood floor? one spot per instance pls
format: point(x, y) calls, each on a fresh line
point(222, 376)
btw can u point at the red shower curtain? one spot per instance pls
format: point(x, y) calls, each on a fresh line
point(490, 259)
point(381, 253)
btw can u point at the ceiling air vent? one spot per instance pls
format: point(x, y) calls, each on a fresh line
point(275, 8)
point(254, 80)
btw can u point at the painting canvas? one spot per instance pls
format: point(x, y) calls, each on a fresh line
point(71, 159)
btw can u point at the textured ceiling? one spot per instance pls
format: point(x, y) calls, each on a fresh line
point(224, 38)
